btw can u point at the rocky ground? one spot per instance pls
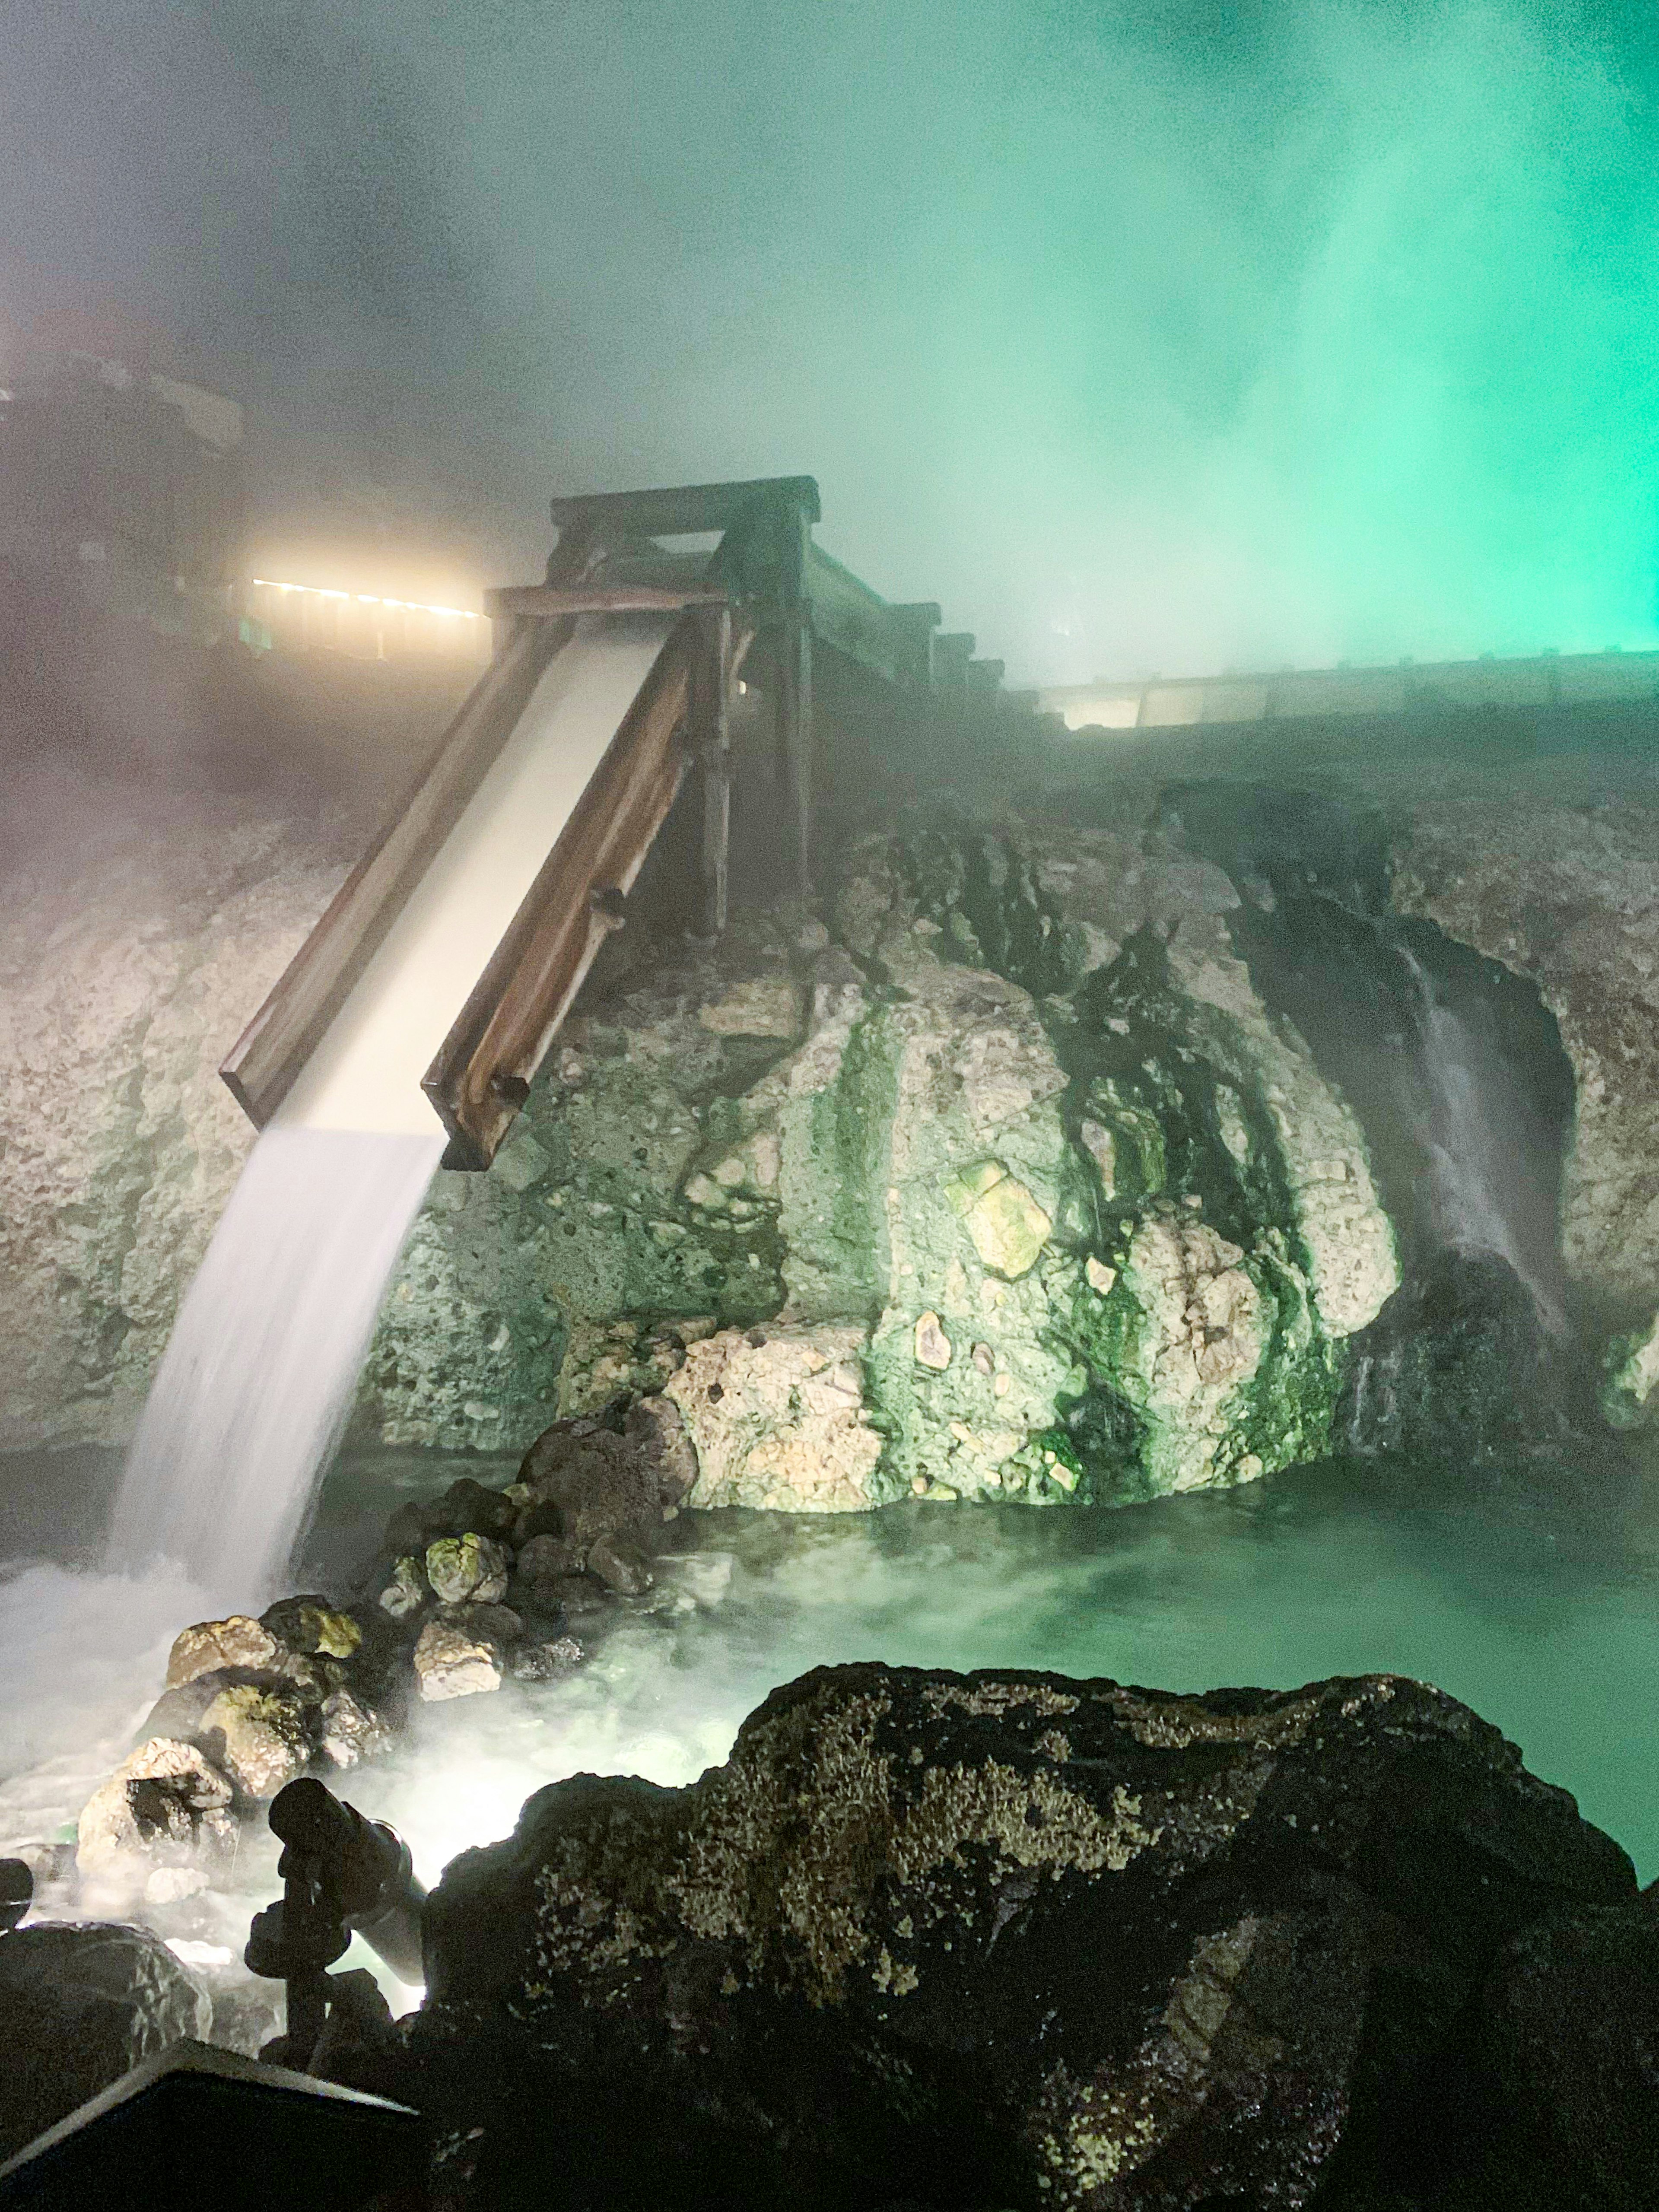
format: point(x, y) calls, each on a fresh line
point(1016, 1940)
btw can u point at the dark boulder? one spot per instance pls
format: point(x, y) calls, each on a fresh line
point(1002, 1939)
point(81, 2004)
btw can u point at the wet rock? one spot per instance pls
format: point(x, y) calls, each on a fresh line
point(780, 1424)
point(166, 1804)
point(312, 1625)
point(457, 1657)
point(1007, 1938)
point(470, 1506)
point(408, 1532)
point(547, 1662)
point(549, 1559)
point(260, 1737)
point(620, 1566)
point(469, 1567)
point(1630, 1383)
point(407, 1592)
point(211, 1645)
point(600, 1483)
point(1565, 2055)
point(352, 1730)
point(80, 2005)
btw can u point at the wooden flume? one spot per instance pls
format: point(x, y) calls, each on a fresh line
point(766, 585)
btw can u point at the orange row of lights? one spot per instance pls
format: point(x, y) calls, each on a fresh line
point(369, 598)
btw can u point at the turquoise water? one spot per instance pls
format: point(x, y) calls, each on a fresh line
point(1546, 1622)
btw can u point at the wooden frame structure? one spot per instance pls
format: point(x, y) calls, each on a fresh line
point(765, 577)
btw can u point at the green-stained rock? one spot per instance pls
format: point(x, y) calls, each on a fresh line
point(1009, 1229)
point(1630, 1378)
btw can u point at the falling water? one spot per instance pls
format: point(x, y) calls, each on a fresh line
point(257, 1381)
point(1475, 1192)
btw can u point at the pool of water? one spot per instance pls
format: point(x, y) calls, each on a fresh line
point(1544, 1619)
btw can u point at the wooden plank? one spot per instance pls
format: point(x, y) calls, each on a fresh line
point(551, 602)
point(269, 1054)
point(683, 509)
point(484, 1070)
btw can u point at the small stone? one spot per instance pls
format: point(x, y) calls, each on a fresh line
point(1102, 1148)
point(945, 1492)
point(919, 1485)
point(731, 1173)
point(172, 1885)
point(406, 1593)
point(467, 1569)
point(1100, 1277)
point(520, 1164)
point(453, 1660)
point(258, 1736)
point(932, 1345)
point(1002, 1386)
point(985, 1360)
point(620, 1566)
point(352, 1731)
point(236, 1641)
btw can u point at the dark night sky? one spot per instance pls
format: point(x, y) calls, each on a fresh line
point(1169, 334)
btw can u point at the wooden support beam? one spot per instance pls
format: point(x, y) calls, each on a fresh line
point(685, 508)
point(552, 602)
point(711, 719)
point(795, 701)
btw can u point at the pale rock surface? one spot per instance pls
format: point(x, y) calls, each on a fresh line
point(780, 1422)
point(455, 1658)
point(166, 1804)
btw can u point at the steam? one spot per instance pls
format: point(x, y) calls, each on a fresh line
point(1162, 335)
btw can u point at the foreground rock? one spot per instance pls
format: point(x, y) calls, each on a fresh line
point(1007, 1939)
point(80, 2005)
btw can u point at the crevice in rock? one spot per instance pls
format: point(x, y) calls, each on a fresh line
point(1457, 1074)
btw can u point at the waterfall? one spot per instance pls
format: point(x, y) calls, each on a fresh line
point(1475, 1144)
point(257, 1381)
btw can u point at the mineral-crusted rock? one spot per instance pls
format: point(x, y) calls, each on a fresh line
point(1568, 895)
point(1194, 1330)
point(776, 1417)
point(312, 1625)
point(460, 1568)
point(1009, 1229)
point(1630, 1377)
point(1009, 1939)
point(80, 2005)
point(455, 1658)
point(260, 1737)
point(238, 1641)
point(166, 1804)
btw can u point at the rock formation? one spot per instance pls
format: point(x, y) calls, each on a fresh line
point(1001, 1179)
point(1009, 1939)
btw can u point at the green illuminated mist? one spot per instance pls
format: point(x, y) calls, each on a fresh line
point(1166, 334)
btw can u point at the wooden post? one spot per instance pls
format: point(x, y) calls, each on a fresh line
point(711, 718)
point(795, 701)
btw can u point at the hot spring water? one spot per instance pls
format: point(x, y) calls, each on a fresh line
point(255, 1387)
